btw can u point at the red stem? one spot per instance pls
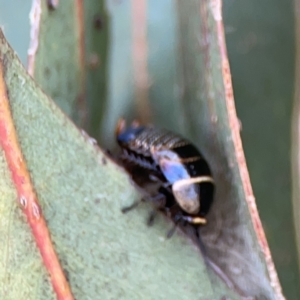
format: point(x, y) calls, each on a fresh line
point(27, 197)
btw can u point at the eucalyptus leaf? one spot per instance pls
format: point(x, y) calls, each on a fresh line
point(104, 253)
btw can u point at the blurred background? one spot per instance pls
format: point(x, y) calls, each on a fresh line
point(260, 37)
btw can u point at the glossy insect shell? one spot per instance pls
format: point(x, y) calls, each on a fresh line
point(177, 159)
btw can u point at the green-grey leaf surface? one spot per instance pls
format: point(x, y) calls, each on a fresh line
point(57, 62)
point(260, 38)
point(186, 95)
point(120, 94)
point(229, 235)
point(97, 57)
point(104, 253)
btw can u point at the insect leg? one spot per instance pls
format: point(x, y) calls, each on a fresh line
point(155, 178)
point(151, 218)
point(159, 201)
point(130, 207)
point(178, 220)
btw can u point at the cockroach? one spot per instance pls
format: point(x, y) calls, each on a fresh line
point(176, 163)
point(186, 182)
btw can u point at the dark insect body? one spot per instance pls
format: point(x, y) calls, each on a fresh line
point(186, 182)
